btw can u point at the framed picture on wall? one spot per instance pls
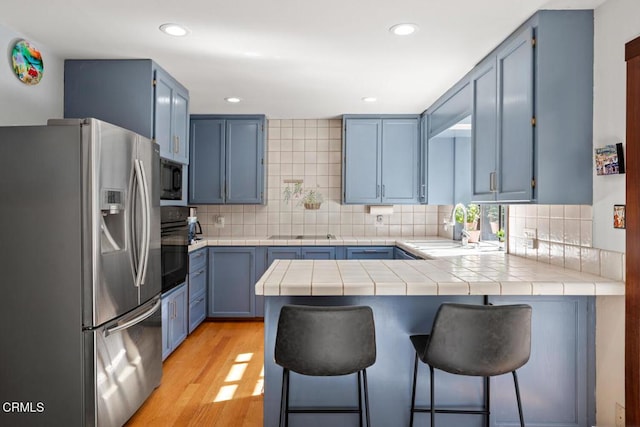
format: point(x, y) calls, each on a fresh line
point(609, 159)
point(619, 220)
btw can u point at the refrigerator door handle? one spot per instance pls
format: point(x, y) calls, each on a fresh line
point(134, 321)
point(142, 194)
point(147, 223)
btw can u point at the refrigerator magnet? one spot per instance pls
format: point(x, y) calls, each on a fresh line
point(27, 63)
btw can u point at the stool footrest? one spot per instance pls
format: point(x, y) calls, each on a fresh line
point(452, 411)
point(323, 410)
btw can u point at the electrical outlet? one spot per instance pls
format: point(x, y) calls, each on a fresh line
point(379, 222)
point(620, 421)
point(529, 241)
point(219, 222)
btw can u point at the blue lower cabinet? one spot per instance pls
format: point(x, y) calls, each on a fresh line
point(174, 319)
point(197, 311)
point(318, 252)
point(282, 252)
point(197, 282)
point(370, 252)
point(232, 281)
point(304, 252)
point(402, 254)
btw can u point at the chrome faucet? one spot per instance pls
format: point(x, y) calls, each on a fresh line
point(464, 234)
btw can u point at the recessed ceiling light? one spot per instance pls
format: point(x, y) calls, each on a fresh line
point(233, 99)
point(174, 30)
point(369, 99)
point(404, 29)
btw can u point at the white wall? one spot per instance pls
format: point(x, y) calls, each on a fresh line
point(616, 22)
point(21, 104)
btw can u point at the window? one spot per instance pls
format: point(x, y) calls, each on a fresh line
point(492, 219)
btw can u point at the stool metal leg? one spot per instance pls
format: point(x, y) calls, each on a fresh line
point(413, 393)
point(433, 400)
point(284, 398)
point(366, 396)
point(359, 398)
point(487, 401)
point(515, 382)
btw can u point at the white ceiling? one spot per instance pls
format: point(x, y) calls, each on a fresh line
point(287, 58)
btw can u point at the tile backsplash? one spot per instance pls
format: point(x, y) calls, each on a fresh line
point(564, 237)
point(311, 151)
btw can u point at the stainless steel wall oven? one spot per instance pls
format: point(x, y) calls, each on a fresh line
point(175, 245)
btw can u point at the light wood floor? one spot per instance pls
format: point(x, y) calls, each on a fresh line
point(213, 379)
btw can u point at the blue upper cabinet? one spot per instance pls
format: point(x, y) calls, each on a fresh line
point(533, 112)
point(245, 161)
point(207, 165)
point(483, 130)
point(515, 115)
point(136, 94)
point(362, 163)
point(400, 161)
point(227, 160)
point(381, 159)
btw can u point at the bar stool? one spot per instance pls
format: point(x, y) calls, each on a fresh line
point(474, 340)
point(325, 341)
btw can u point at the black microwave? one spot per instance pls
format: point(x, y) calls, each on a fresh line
point(170, 180)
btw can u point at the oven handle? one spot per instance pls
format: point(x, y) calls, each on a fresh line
point(129, 323)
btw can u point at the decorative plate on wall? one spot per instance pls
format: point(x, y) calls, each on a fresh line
point(27, 63)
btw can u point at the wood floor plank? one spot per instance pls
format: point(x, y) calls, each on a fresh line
point(214, 378)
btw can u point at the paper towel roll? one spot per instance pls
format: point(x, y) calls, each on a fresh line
point(381, 210)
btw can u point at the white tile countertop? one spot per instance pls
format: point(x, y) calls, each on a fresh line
point(495, 274)
point(265, 241)
point(450, 270)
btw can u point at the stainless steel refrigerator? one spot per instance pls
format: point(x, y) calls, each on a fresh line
point(80, 331)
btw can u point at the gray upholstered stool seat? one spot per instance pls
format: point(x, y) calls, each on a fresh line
point(325, 341)
point(474, 340)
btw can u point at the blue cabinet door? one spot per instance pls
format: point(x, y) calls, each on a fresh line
point(362, 162)
point(181, 125)
point(557, 384)
point(171, 117)
point(174, 319)
point(197, 311)
point(400, 150)
point(370, 252)
point(483, 130)
point(120, 92)
point(244, 160)
point(164, 94)
point(283, 252)
point(515, 115)
point(318, 252)
point(207, 165)
point(232, 282)
point(402, 254)
point(166, 345)
point(178, 329)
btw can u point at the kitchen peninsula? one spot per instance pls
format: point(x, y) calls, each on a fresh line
point(557, 384)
